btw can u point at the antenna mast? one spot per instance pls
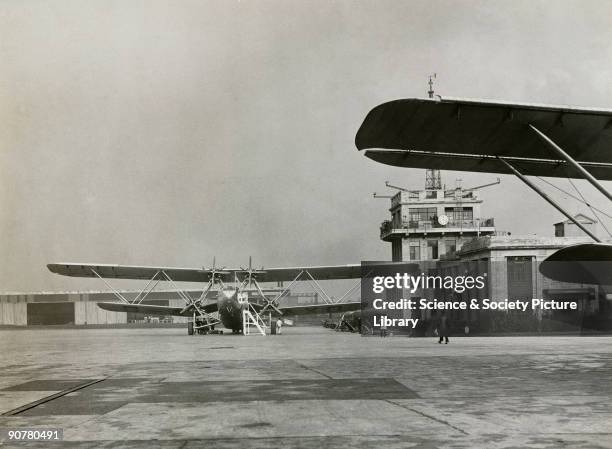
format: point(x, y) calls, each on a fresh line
point(433, 180)
point(431, 90)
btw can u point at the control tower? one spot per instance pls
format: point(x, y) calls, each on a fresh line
point(426, 224)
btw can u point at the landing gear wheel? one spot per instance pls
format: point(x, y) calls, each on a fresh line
point(190, 328)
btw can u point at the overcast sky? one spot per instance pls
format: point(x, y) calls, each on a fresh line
point(163, 133)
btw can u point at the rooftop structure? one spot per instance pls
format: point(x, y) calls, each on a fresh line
point(568, 228)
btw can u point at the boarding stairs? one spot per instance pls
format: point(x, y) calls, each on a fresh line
point(252, 322)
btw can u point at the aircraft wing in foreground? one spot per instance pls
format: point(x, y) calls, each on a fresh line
point(587, 263)
point(474, 135)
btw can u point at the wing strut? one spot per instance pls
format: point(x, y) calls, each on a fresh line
point(115, 291)
point(145, 291)
point(189, 301)
point(589, 177)
point(326, 298)
point(547, 198)
point(161, 275)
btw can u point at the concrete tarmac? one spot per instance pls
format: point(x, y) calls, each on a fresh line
point(308, 388)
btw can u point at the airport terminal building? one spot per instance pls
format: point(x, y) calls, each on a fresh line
point(443, 230)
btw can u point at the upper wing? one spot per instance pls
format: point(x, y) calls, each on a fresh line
point(131, 272)
point(153, 309)
point(486, 164)
point(457, 134)
point(320, 308)
point(320, 272)
point(203, 275)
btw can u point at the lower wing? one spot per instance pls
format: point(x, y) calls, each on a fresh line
point(150, 309)
point(320, 308)
point(587, 263)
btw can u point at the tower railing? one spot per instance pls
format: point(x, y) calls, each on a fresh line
point(388, 226)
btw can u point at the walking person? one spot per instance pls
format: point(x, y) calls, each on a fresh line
point(443, 328)
point(279, 325)
point(383, 329)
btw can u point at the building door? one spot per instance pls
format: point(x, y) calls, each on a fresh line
point(50, 313)
point(432, 249)
point(520, 278)
point(396, 250)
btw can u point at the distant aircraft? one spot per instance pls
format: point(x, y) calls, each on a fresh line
point(235, 305)
point(501, 137)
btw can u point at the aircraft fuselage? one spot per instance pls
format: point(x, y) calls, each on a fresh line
point(230, 309)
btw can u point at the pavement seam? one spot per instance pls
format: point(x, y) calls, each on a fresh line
point(312, 369)
point(441, 421)
point(271, 437)
point(46, 399)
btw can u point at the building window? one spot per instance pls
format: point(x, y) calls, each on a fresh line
point(431, 194)
point(459, 213)
point(432, 249)
point(415, 252)
point(422, 214)
point(559, 230)
point(453, 213)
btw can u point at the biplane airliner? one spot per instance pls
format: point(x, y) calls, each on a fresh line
point(240, 299)
point(509, 138)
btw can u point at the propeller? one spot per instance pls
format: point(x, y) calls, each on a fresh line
point(213, 270)
point(250, 270)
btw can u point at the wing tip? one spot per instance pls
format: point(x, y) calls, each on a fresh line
point(53, 267)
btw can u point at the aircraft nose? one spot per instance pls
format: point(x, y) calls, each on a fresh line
point(229, 293)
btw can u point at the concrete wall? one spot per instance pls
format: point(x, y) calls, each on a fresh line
point(87, 312)
point(421, 242)
point(497, 249)
point(177, 303)
point(13, 306)
point(13, 314)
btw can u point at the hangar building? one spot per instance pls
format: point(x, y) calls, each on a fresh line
point(80, 307)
